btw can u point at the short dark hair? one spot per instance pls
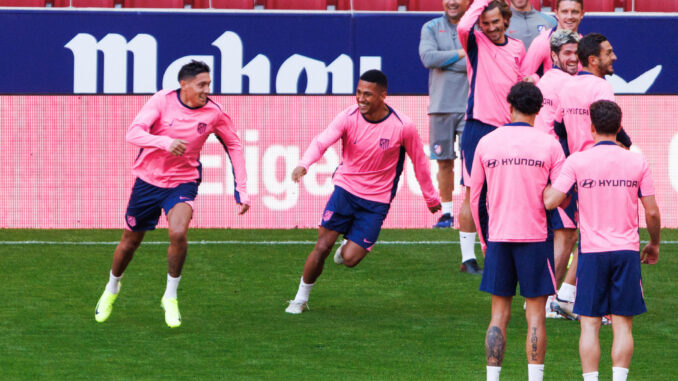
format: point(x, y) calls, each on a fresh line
point(375, 76)
point(192, 69)
point(526, 98)
point(504, 9)
point(589, 45)
point(606, 117)
point(581, 2)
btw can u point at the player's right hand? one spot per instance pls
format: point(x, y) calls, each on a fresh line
point(178, 147)
point(298, 173)
point(650, 254)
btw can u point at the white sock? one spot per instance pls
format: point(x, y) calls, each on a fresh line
point(304, 291)
point(447, 207)
point(591, 376)
point(493, 373)
point(113, 285)
point(467, 241)
point(172, 285)
point(619, 374)
point(567, 292)
point(535, 372)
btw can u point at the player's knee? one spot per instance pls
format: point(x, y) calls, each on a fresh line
point(178, 237)
point(351, 261)
point(323, 247)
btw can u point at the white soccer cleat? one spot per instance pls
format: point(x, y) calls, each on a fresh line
point(338, 259)
point(550, 312)
point(295, 308)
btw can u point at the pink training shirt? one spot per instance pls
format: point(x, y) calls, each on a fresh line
point(610, 180)
point(492, 69)
point(516, 162)
point(576, 97)
point(550, 85)
point(373, 155)
point(165, 118)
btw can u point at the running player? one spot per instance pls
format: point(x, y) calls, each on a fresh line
point(515, 163)
point(574, 124)
point(375, 139)
point(171, 129)
point(538, 58)
point(493, 66)
point(610, 180)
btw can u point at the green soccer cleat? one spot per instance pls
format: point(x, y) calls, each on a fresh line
point(105, 306)
point(172, 315)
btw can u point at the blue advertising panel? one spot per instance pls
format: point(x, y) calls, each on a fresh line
point(62, 51)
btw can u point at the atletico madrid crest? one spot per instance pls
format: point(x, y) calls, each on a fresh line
point(202, 127)
point(383, 143)
point(327, 215)
point(131, 221)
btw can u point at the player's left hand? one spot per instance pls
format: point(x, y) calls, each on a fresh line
point(435, 208)
point(650, 254)
point(243, 209)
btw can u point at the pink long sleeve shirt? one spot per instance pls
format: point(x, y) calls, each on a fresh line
point(516, 162)
point(610, 181)
point(373, 155)
point(550, 85)
point(165, 118)
point(492, 69)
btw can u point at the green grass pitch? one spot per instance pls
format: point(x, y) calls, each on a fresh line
point(405, 313)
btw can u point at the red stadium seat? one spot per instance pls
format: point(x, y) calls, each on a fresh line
point(369, 5)
point(536, 4)
point(599, 6)
point(425, 5)
point(656, 5)
point(296, 4)
point(22, 3)
point(548, 3)
point(85, 3)
point(626, 5)
point(224, 4)
point(153, 3)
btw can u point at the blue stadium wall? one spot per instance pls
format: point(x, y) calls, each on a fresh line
point(56, 51)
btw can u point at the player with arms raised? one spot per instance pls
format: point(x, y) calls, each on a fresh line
point(375, 139)
point(493, 66)
point(171, 129)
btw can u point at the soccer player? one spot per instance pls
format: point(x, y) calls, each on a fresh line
point(375, 138)
point(527, 22)
point(610, 180)
point(441, 52)
point(565, 64)
point(573, 123)
point(493, 66)
point(515, 163)
point(538, 58)
point(171, 129)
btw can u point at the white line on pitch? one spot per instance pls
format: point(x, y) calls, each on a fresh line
point(263, 243)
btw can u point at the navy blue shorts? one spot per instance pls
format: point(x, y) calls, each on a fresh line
point(147, 202)
point(609, 283)
point(566, 218)
point(473, 132)
point(359, 220)
point(527, 263)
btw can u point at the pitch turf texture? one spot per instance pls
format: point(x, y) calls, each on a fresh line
point(405, 313)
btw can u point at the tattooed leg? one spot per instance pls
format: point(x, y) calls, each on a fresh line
point(495, 339)
point(535, 343)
